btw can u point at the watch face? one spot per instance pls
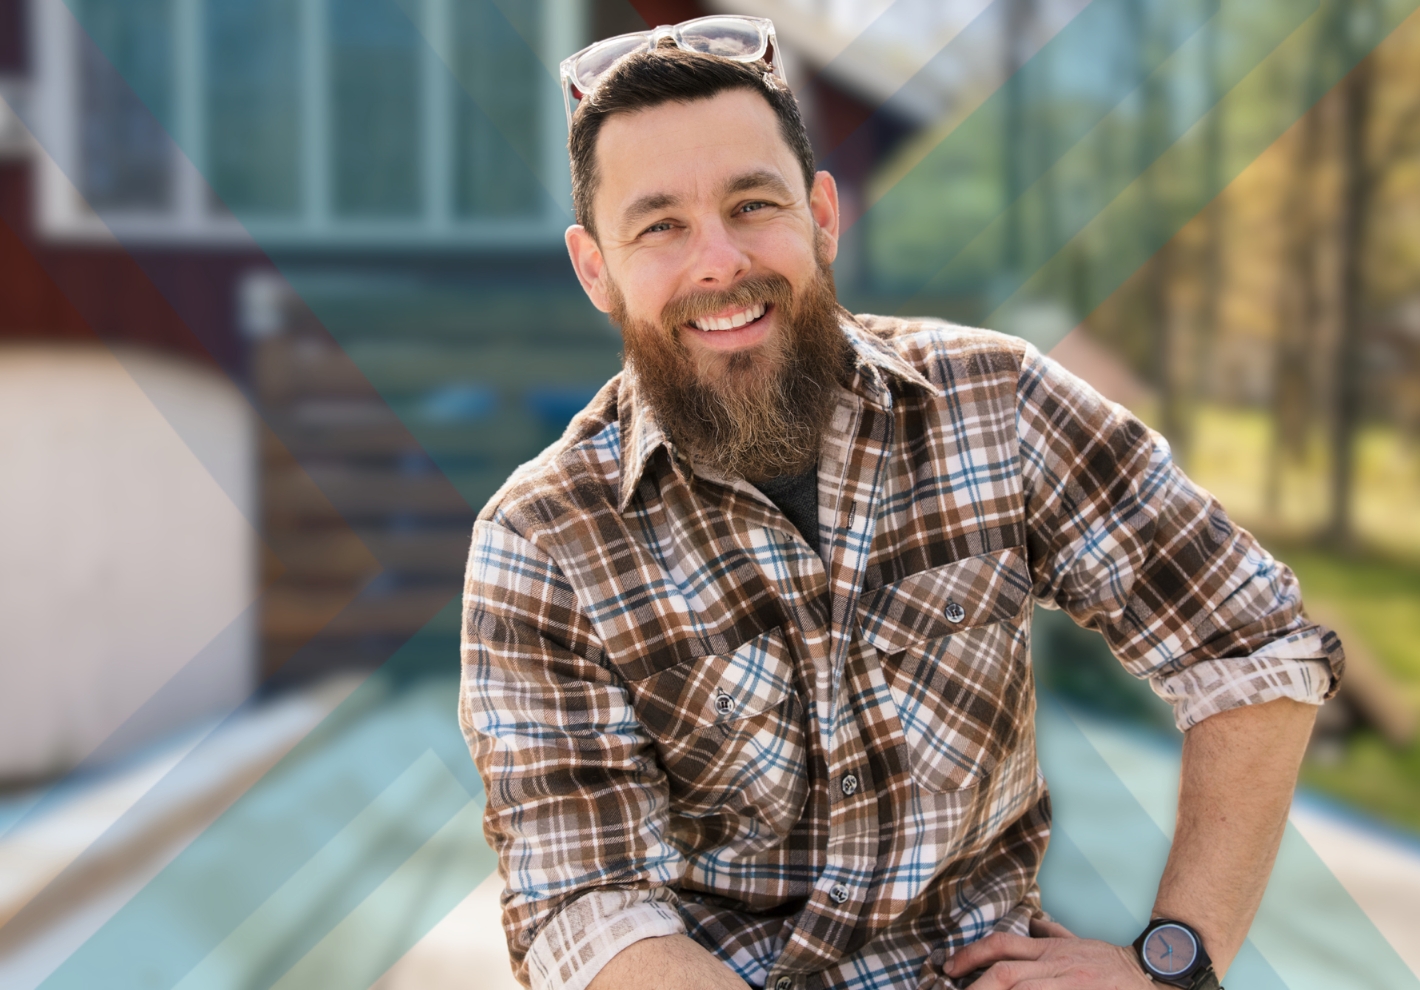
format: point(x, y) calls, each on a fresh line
point(1170, 950)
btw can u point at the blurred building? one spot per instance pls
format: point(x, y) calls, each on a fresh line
point(352, 210)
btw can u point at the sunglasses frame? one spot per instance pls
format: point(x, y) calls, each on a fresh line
point(767, 52)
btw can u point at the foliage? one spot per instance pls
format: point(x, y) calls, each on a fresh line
point(1370, 775)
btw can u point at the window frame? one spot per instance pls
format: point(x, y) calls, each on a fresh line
point(63, 214)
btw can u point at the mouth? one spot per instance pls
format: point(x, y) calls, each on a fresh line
point(730, 321)
point(736, 328)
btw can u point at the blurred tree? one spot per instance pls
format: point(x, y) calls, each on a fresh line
point(1355, 207)
point(1151, 140)
point(1294, 381)
point(1020, 132)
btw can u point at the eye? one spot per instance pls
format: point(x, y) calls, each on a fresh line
point(657, 227)
point(754, 206)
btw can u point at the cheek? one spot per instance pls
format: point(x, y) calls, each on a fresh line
point(783, 250)
point(648, 286)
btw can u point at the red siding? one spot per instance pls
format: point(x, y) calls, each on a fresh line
point(174, 300)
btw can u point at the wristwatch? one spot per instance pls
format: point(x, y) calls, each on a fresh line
point(1172, 952)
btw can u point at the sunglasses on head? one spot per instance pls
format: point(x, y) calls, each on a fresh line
point(742, 39)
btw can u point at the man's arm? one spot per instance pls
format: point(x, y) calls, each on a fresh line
point(674, 962)
point(576, 800)
point(1239, 770)
point(1121, 540)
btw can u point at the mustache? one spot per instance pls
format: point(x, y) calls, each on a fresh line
point(770, 288)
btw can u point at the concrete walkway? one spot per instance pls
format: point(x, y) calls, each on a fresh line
point(357, 861)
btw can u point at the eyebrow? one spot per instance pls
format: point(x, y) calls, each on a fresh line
point(652, 203)
point(761, 178)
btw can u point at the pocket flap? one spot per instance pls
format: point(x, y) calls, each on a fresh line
point(711, 690)
point(930, 604)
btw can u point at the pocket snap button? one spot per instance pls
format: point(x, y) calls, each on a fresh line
point(850, 784)
point(838, 893)
point(954, 612)
point(783, 983)
point(724, 704)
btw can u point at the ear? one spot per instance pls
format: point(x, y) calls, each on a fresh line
point(823, 204)
point(590, 266)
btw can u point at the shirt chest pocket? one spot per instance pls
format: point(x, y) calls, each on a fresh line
point(729, 732)
point(954, 652)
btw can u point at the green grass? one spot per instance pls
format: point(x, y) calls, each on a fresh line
point(1379, 600)
point(1378, 597)
point(1374, 592)
point(1373, 777)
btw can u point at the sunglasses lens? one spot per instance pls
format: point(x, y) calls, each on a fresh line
point(730, 37)
point(598, 60)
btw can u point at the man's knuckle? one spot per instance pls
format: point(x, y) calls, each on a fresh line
point(1008, 971)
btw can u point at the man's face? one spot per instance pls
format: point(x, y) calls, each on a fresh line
point(711, 254)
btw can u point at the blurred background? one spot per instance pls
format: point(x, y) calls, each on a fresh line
point(283, 299)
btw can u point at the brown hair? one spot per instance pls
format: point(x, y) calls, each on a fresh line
point(669, 74)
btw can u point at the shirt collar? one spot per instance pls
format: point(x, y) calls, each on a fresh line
point(875, 364)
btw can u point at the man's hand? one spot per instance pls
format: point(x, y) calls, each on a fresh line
point(1053, 959)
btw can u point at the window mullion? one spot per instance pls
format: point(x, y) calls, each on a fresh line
point(316, 179)
point(437, 114)
point(190, 134)
point(564, 31)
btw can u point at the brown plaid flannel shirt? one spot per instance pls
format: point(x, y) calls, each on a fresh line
point(823, 768)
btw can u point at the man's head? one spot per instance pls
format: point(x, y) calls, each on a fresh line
point(708, 238)
point(671, 75)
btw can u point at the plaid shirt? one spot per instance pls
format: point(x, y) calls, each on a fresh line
point(822, 766)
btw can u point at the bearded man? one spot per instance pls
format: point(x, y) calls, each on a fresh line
point(746, 652)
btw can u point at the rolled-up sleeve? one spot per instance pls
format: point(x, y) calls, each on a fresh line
point(1126, 544)
point(577, 803)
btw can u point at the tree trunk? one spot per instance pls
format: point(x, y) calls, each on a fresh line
point(1297, 312)
point(1355, 207)
point(1019, 15)
point(1163, 330)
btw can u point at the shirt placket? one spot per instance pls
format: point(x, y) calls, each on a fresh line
point(851, 470)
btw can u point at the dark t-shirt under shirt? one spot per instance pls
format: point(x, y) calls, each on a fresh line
point(797, 497)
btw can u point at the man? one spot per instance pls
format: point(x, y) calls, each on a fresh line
point(746, 652)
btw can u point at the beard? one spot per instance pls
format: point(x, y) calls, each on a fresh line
point(758, 413)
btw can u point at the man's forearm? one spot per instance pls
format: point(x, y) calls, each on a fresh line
point(673, 962)
point(1239, 771)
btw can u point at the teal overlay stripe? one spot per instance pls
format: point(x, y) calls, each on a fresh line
point(415, 898)
point(313, 839)
point(119, 748)
point(1110, 163)
point(364, 940)
point(1126, 224)
point(1094, 63)
point(1087, 75)
point(1114, 791)
point(365, 827)
point(513, 27)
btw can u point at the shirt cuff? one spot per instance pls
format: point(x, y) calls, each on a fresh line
point(576, 942)
point(1303, 667)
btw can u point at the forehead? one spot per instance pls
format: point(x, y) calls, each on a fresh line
point(686, 151)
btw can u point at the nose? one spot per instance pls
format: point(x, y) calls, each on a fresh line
point(718, 261)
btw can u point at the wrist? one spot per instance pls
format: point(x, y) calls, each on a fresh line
point(1172, 953)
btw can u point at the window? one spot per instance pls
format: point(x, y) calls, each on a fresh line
point(360, 123)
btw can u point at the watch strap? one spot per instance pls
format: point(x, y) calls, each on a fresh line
point(1205, 979)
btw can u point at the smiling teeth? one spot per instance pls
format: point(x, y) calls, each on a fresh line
point(734, 321)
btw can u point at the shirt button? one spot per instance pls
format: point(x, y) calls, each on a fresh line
point(955, 613)
point(783, 983)
point(724, 704)
point(850, 784)
point(838, 893)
